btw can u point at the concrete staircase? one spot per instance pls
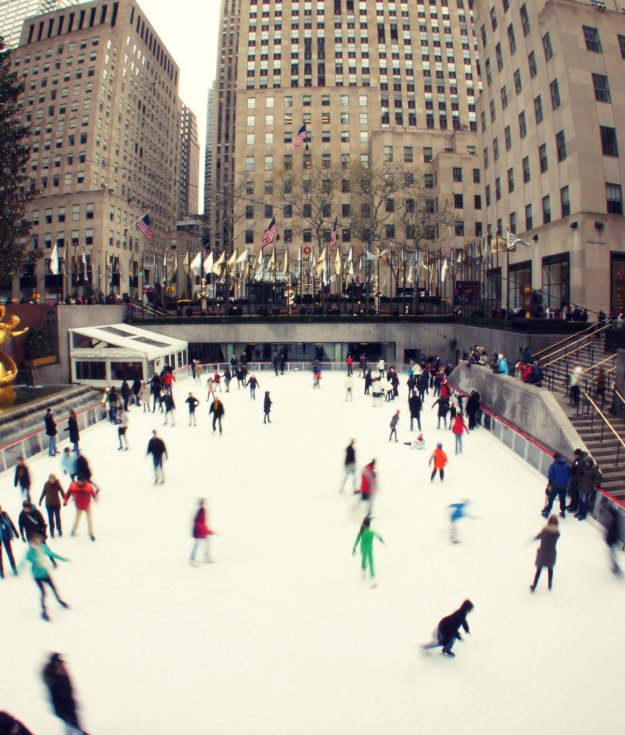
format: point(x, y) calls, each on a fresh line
point(594, 432)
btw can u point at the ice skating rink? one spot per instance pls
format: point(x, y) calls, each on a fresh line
point(280, 635)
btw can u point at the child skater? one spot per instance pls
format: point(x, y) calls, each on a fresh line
point(457, 511)
point(439, 458)
point(36, 557)
point(418, 443)
point(448, 630)
point(366, 536)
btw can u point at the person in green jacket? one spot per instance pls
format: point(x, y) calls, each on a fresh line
point(366, 536)
point(36, 557)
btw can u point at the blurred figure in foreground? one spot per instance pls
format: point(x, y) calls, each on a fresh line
point(57, 679)
point(201, 532)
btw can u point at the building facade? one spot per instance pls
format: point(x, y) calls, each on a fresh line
point(13, 13)
point(189, 163)
point(101, 102)
point(550, 125)
point(376, 85)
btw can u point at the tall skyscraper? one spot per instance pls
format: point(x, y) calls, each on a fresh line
point(373, 84)
point(101, 102)
point(189, 163)
point(208, 148)
point(13, 13)
point(550, 126)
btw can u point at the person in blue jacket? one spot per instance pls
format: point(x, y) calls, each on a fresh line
point(558, 476)
point(502, 365)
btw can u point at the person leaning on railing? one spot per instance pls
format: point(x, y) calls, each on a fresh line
point(589, 480)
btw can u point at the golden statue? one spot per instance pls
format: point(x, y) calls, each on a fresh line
point(8, 368)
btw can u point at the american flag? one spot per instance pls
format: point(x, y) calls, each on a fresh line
point(301, 136)
point(145, 225)
point(269, 235)
point(335, 235)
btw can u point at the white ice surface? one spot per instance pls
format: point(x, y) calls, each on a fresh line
point(280, 634)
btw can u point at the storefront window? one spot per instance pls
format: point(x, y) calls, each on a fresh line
point(556, 283)
point(519, 276)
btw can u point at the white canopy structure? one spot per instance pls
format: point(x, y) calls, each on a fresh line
point(103, 355)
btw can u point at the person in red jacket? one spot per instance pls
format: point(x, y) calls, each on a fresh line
point(368, 484)
point(458, 428)
point(201, 532)
point(83, 493)
point(439, 458)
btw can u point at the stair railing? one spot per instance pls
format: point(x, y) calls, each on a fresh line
point(591, 331)
point(606, 424)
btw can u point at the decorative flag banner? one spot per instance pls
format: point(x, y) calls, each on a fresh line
point(335, 235)
point(270, 233)
point(244, 257)
point(144, 224)
point(219, 263)
point(444, 269)
point(185, 263)
point(196, 264)
point(54, 261)
point(301, 136)
point(337, 263)
point(208, 263)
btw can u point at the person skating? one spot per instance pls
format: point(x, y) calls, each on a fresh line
point(9, 725)
point(349, 385)
point(72, 429)
point(192, 402)
point(170, 408)
point(448, 630)
point(349, 465)
point(125, 392)
point(122, 427)
point(443, 410)
point(439, 459)
point(7, 533)
point(200, 532)
point(227, 379)
point(317, 377)
point(252, 385)
point(57, 680)
point(458, 428)
point(53, 494)
point(613, 536)
point(155, 389)
point(83, 469)
point(158, 450)
point(68, 463)
point(457, 511)
point(31, 522)
point(393, 425)
point(558, 476)
point(473, 408)
point(267, 402)
point(36, 556)
point(368, 380)
point(145, 397)
point(136, 391)
point(546, 553)
point(365, 537)
point(368, 484)
point(218, 411)
point(415, 405)
point(51, 432)
point(22, 478)
point(83, 493)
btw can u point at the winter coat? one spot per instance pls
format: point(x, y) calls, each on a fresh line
point(72, 428)
point(145, 393)
point(68, 464)
point(443, 407)
point(414, 404)
point(502, 366)
point(558, 473)
point(59, 685)
point(31, 523)
point(576, 376)
point(193, 403)
point(83, 494)
point(613, 529)
point(575, 469)
point(217, 407)
point(368, 480)
point(546, 554)
point(449, 626)
point(36, 557)
point(459, 426)
point(82, 467)
point(7, 528)
point(394, 421)
point(200, 528)
point(350, 455)
point(473, 404)
point(267, 404)
point(125, 390)
point(589, 478)
point(439, 458)
point(22, 477)
point(156, 447)
point(50, 425)
point(51, 491)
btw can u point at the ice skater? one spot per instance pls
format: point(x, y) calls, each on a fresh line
point(393, 425)
point(218, 411)
point(22, 478)
point(192, 402)
point(439, 459)
point(368, 484)
point(7, 533)
point(366, 535)
point(457, 511)
point(349, 384)
point(252, 384)
point(418, 443)
point(36, 556)
point(448, 630)
point(613, 536)
point(53, 494)
point(458, 427)
point(170, 408)
point(84, 493)
point(122, 428)
point(57, 679)
point(72, 429)
point(350, 466)
point(558, 475)
point(158, 450)
point(267, 402)
point(546, 554)
point(200, 533)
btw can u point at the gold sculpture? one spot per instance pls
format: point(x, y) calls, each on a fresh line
point(8, 368)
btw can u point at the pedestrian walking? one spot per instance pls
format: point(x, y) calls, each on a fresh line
point(558, 476)
point(439, 460)
point(53, 493)
point(458, 429)
point(546, 554)
point(365, 538)
point(57, 680)
point(218, 411)
point(22, 478)
point(158, 450)
point(37, 555)
point(51, 432)
point(72, 429)
point(448, 629)
point(267, 403)
point(393, 425)
point(200, 533)
point(192, 402)
point(83, 493)
point(350, 466)
point(576, 384)
point(7, 533)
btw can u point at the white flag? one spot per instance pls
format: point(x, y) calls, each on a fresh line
point(54, 261)
point(208, 263)
point(444, 269)
point(243, 258)
point(370, 256)
point(196, 264)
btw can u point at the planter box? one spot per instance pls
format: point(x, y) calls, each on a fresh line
point(42, 361)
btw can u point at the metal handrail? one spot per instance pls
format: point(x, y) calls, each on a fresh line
point(608, 423)
point(591, 329)
point(605, 359)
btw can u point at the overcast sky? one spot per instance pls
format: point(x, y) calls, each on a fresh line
point(189, 29)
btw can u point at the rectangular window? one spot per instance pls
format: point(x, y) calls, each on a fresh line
point(499, 57)
point(487, 193)
point(476, 176)
point(542, 157)
point(609, 144)
point(508, 137)
point(457, 173)
point(486, 157)
point(565, 202)
point(495, 149)
point(493, 19)
point(555, 94)
point(458, 201)
point(510, 180)
point(477, 201)
point(518, 86)
point(531, 62)
point(546, 209)
point(529, 219)
point(538, 109)
point(511, 39)
point(621, 44)
point(591, 37)
point(526, 169)
point(504, 98)
point(547, 46)
point(522, 125)
point(525, 21)
point(602, 89)
point(427, 155)
point(614, 196)
point(561, 145)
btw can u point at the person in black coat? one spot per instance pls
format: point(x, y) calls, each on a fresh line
point(11, 726)
point(448, 630)
point(368, 381)
point(443, 410)
point(31, 522)
point(157, 448)
point(473, 406)
point(125, 394)
point(414, 404)
point(267, 408)
point(72, 428)
point(57, 679)
point(7, 533)
point(218, 411)
point(22, 478)
point(51, 432)
point(613, 536)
